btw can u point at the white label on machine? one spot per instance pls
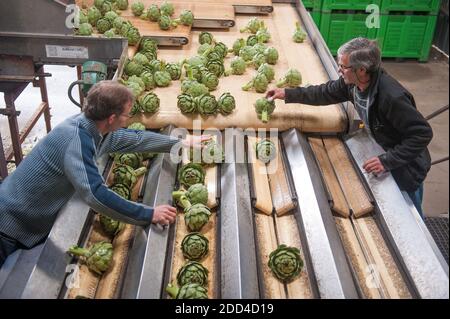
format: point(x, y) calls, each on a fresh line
point(67, 52)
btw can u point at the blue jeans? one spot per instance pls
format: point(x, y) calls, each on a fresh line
point(7, 247)
point(417, 197)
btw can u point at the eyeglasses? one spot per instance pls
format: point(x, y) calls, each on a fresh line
point(344, 67)
point(128, 115)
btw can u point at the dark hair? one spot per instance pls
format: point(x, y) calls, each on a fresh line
point(106, 98)
point(362, 52)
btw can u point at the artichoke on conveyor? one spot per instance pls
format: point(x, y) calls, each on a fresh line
point(265, 150)
point(137, 9)
point(206, 104)
point(226, 103)
point(259, 82)
point(98, 257)
point(85, 29)
point(285, 263)
point(192, 272)
point(167, 8)
point(111, 226)
point(186, 103)
point(205, 37)
point(299, 35)
point(138, 126)
point(253, 25)
point(196, 194)
point(149, 102)
point(292, 79)
point(271, 55)
point(186, 18)
point(124, 174)
point(267, 70)
point(165, 22)
point(189, 291)
point(195, 246)
point(211, 153)
point(134, 160)
point(122, 4)
point(153, 13)
point(237, 65)
point(237, 46)
point(191, 174)
point(196, 217)
point(264, 108)
point(122, 190)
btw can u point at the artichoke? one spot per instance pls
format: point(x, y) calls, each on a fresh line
point(110, 226)
point(192, 273)
point(205, 37)
point(103, 25)
point(253, 26)
point(259, 82)
point(149, 102)
point(258, 60)
point(194, 246)
point(252, 40)
point(196, 217)
point(271, 55)
point(226, 103)
point(136, 88)
point(191, 174)
point(210, 80)
point(262, 35)
point(153, 13)
point(216, 67)
point(189, 291)
point(137, 80)
point(293, 78)
point(259, 47)
point(133, 36)
point(122, 190)
point(238, 66)
point(93, 15)
point(85, 29)
point(148, 79)
point(162, 78)
point(285, 263)
point(267, 70)
point(206, 104)
point(82, 17)
point(211, 153)
point(165, 22)
point(167, 9)
point(247, 53)
point(122, 4)
point(186, 103)
point(110, 33)
point(264, 108)
point(135, 109)
point(149, 45)
point(265, 150)
point(138, 126)
point(194, 89)
point(196, 194)
point(141, 59)
point(222, 49)
point(133, 68)
point(98, 257)
point(238, 45)
point(124, 174)
point(111, 16)
point(299, 35)
point(174, 70)
point(137, 8)
point(186, 18)
point(134, 160)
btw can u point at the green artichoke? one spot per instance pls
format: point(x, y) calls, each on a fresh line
point(247, 53)
point(122, 190)
point(137, 8)
point(252, 40)
point(262, 35)
point(136, 88)
point(259, 82)
point(258, 60)
point(82, 17)
point(136, 108)
point(210, 80)
point(174, 70)
point(238, 66)
point(196, 217)
point(186, 18)
point(124, 174)
point(149, 45)
point(165, 22)
point(259, 47)
point(167, 8)
point(133, 68)
point(133, 36)
point(196, 194)
point(206, 104)
point(293, 78)
point(149, 102)
point(136, 126)
point(137, 80)
point(93, 15)
point(98, 257)
point(265, 150)
point(267, 70)
point(299, 35)
point(222, 49)
point(264, 108)
point(253, 26)
point(153, 13)
point(162, 78)
point(111, 16)
point(194, 246)
point(186, 103)
point(110, 33)
point(216, 67)
point(205, 37)
point(134, 160)
point(191, 174)
point(226, 103)
point(189, 291)
point(141, 59)
point(192, 273)
point(271, 55)
point(194, 88)
point(148, 79)
point(110, 226)
point(238, 45)
point(285, 263)
point(103, 25)
point(85, 29)
point(122, 4)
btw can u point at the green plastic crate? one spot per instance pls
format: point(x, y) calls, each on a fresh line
point(316, 5)
point(329, 5)
point(338, 28)
point(429, 6)
point(316, 16)
point(406, 36)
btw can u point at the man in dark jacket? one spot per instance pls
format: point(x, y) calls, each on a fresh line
point(385, 106)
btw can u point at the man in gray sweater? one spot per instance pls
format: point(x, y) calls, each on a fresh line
point(64, 162)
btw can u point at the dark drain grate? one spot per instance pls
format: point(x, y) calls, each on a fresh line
point(438, 227)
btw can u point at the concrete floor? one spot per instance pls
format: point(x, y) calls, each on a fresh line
point(428, 82)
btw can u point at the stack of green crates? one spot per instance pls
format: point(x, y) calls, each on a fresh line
point(407, 28)
point(314, 9)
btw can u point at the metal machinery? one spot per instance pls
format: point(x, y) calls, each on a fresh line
point(44, 271)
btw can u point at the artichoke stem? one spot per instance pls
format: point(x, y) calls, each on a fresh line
point(247, 86)
point(172, 291)
point(265, 116)
point(184, 202)
point(281, 83)
point(78, 251)
point(176, 195)
point(297, 25)
point(140, 171)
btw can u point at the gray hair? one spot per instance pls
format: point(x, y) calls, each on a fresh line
point(363, 53)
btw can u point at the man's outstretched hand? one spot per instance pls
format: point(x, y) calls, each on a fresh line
point(164, 215)
point(276, 94)
point(195, 140)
